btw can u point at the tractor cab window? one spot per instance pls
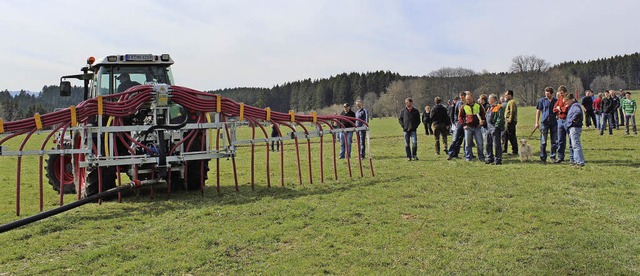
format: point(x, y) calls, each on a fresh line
point(126, 80)
point(117, 79)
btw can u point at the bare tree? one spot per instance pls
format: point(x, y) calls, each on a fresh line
point(601, 83)
point(450, 72)
point(369, 101)
point(530, 73)
point(448, 81)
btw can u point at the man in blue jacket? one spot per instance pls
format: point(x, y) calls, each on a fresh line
point(546, 121)
point(574, 124)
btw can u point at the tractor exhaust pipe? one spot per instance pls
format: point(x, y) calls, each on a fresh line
point(64, 208)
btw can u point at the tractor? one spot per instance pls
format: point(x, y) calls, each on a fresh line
point(147, 144)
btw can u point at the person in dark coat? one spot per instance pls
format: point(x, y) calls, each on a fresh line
point(587, 104)
point(426, 120)
point(275, 133)
point(409, 121)
point(441, 123)
point(346, 138)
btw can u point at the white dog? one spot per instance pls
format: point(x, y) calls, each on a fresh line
point(525, 151)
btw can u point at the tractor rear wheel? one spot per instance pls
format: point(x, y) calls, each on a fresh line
point(91, 185)
point(197, 170)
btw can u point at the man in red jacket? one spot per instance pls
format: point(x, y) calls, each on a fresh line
point(560, 109)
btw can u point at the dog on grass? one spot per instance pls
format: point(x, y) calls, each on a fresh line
point(525, 151)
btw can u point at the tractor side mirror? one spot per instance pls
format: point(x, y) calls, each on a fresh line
point(65, 88)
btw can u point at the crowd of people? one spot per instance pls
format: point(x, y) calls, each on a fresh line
point(489, 124)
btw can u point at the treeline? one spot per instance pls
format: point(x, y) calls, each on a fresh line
point(625, 67)
point(24, 104)
point(383, 92)
point(310, 94)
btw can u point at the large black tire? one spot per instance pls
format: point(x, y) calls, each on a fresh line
point(91, 180)
point(195, 172)
point(52, 169)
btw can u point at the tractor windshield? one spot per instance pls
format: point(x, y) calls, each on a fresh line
point(115, 79)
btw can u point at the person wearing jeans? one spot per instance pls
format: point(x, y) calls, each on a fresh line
point(495, 124)
point(546, 121)
point(409, 121)
point(597, 109)
point(471, 118)
point(608, 108)
point(629, 108)
point(574, 124)
point(560, 109)
point(346, 138)
point(363, 115)
point(458, 131)
point(587, 104)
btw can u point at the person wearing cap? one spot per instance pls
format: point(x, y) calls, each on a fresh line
point(573, 122)
point(125, 82)
point(629, 108)
point(409, 121)
point(346, 137)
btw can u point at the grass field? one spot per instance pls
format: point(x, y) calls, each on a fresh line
point(427, 217)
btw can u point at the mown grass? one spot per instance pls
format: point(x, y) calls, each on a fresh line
point(427, 217)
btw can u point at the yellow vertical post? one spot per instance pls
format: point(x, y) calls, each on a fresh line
point(218, 103)
point(36, 117)
point(100, 109)
point(74, 120)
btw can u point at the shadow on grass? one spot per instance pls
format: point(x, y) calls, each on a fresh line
point(614, 163)
point(606, 149)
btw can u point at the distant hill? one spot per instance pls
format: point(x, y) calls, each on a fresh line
point(16, 93)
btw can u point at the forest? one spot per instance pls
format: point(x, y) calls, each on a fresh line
point(383, 92)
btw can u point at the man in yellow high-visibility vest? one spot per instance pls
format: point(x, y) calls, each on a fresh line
point(471, 119)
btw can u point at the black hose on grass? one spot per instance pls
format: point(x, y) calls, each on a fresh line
point(64, 208)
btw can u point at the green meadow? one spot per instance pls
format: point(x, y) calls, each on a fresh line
point(430, 216)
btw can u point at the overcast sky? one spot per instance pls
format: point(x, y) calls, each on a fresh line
point(220, 44)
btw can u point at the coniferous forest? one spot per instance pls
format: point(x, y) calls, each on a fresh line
point(383, 92)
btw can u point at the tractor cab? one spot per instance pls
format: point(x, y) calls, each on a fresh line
point(116, 73)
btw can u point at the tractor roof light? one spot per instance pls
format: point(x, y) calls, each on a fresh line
point(112, 58)
point(164, 57)
point(91, 60)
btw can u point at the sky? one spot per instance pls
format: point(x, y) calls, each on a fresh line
point(227, 43)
